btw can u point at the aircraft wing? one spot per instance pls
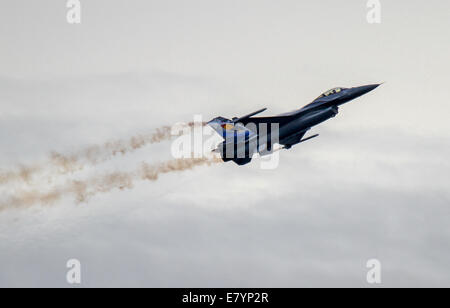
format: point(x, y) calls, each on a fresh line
point(237, 120)
point(267, 120)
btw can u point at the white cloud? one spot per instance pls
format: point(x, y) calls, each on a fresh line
point(373, 185)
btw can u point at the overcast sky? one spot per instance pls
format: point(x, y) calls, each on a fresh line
point(373, 185)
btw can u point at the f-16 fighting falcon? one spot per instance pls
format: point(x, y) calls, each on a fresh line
point(248, 135)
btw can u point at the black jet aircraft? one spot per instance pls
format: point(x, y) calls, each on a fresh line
point(247, 135)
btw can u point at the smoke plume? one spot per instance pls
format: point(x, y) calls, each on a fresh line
point(59, 164)
point(82, 191)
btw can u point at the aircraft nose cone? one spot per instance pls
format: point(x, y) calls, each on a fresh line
point(358, 91)
point(366, 89)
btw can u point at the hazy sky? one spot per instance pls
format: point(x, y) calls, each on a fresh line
point(373, 185)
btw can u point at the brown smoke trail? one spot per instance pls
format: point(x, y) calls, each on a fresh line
point(62, 164)
point(82, 191)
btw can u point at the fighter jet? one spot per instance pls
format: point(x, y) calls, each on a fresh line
point(248, 135)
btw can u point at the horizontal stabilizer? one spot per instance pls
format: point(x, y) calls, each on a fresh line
point(310, 137)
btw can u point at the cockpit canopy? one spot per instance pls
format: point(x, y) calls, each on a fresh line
point(329, 92)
